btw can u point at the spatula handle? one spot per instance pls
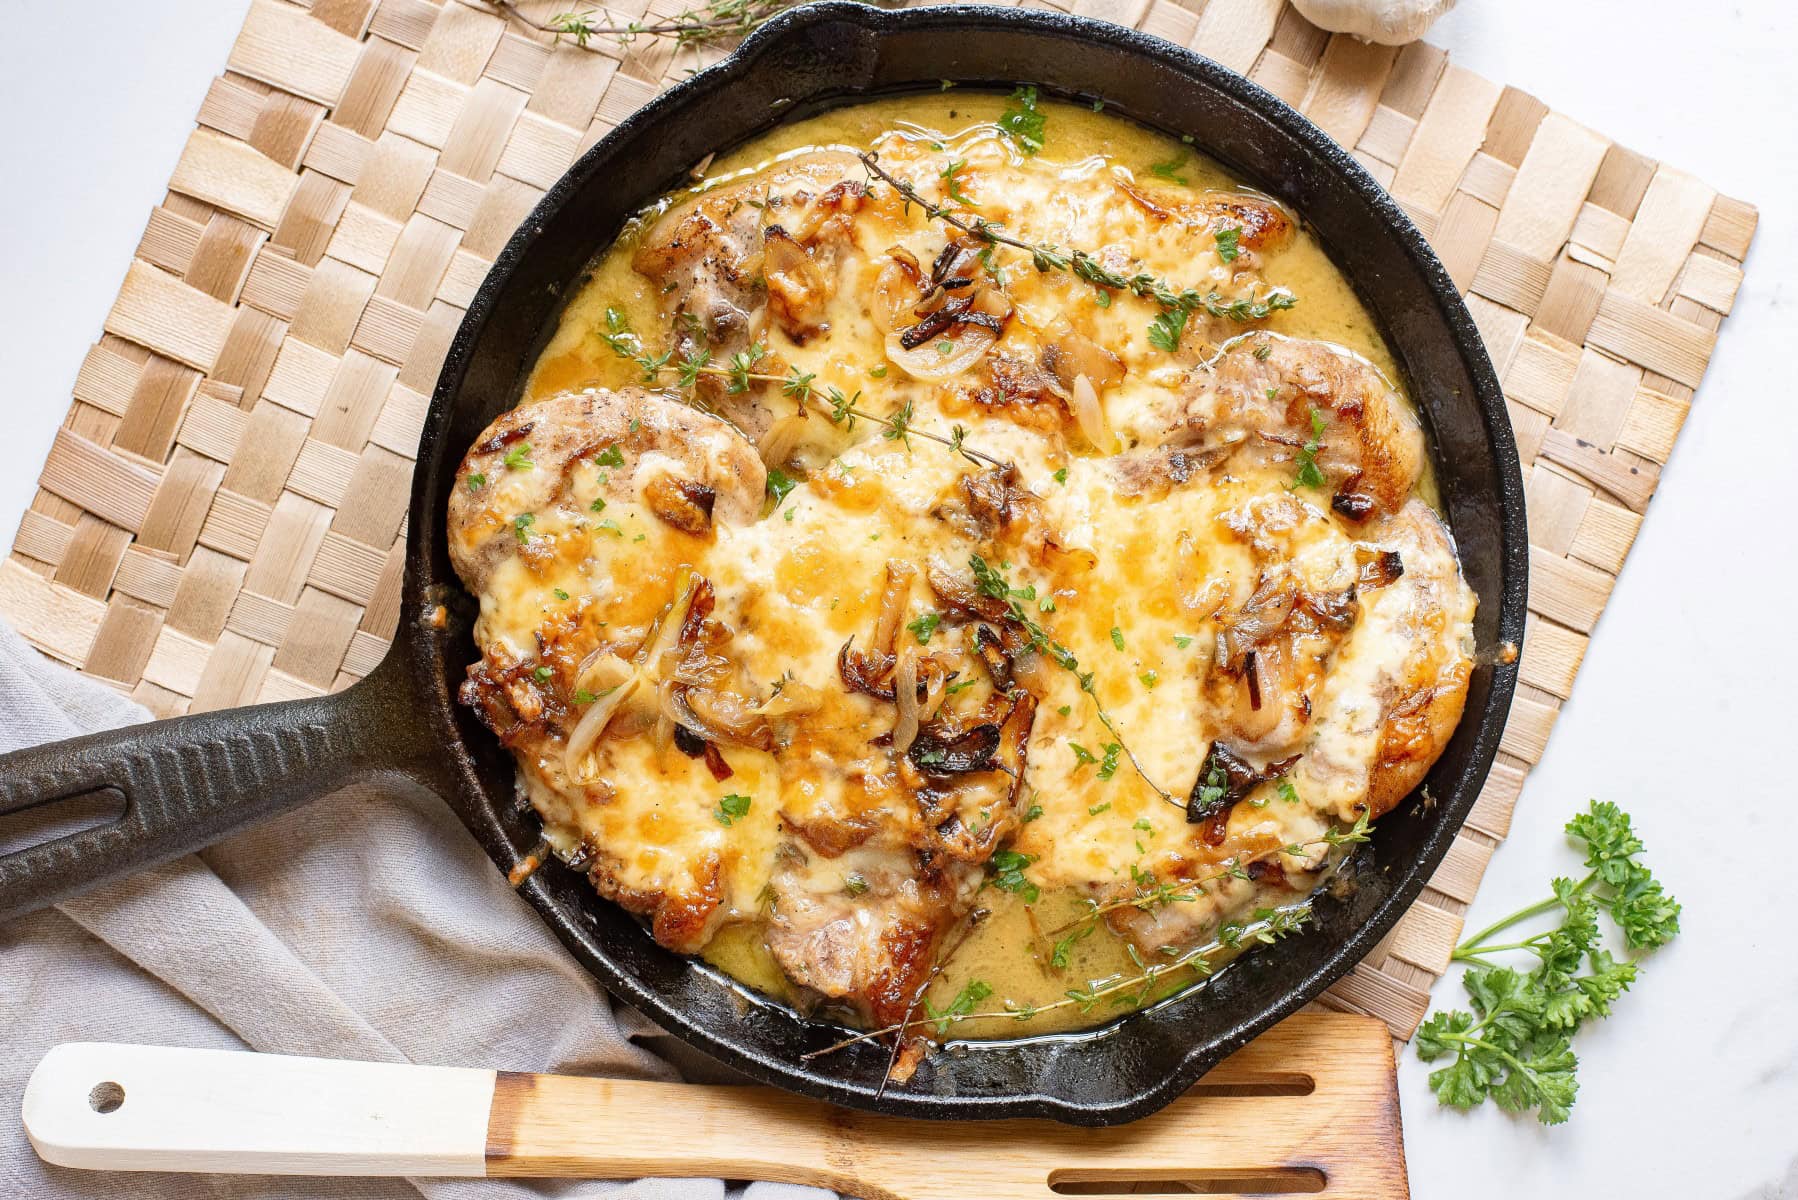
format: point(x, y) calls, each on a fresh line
point(119, 1107)
point(154, 1108)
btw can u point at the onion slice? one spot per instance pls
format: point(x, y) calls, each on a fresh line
point(905, 693)
point(587, 731)
point(929, 364)
point(1090, 415)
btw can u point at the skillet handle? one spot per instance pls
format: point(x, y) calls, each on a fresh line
point(172, 787)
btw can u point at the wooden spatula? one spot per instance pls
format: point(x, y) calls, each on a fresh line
point(1309, 1107)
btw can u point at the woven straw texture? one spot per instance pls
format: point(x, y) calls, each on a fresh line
point(222, 516)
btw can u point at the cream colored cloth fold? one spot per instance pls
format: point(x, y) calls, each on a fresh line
point(365, 925)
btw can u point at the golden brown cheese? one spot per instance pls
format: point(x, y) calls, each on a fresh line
point(1147, 521)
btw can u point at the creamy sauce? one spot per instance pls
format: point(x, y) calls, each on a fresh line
point(1131, 594)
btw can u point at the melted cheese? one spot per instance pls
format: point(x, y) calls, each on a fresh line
point(1132, 594)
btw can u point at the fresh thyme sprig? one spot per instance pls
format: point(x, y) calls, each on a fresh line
point(715, 20)
point(800, 386)
point(1130, 991)
point(991, 582)
point(1152, 892)
point(1176, 303)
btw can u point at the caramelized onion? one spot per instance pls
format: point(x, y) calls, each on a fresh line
point(1071, 354)
point(897, 289)
point(905, 693)
point(1260, 617)
point(936, 689)
point(614, 682)
point(783, 438)
point(791, 699)
point(892, 604)
point(958, 592)
point(1083, 399)
point(929, 364)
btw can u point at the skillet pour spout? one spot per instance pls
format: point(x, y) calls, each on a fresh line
point(171, 787)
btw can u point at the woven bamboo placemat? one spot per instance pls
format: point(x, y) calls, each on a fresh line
point(222, 516)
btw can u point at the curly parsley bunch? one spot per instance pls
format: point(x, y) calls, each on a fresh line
point(1516, 1046)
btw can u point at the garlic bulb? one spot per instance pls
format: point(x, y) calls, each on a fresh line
point(1389, 22)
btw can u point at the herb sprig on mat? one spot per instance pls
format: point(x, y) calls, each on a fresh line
point(1516, 1047)
point(712, 21)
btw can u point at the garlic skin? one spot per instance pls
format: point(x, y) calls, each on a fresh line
point(1388, 22)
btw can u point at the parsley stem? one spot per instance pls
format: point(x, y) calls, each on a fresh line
point(1476, 942)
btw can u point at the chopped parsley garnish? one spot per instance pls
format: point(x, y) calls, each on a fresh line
point(924, 626)
point(1082, 755)
point(952, 185)
point(1060, 476)
point(598, 505)
point(731, 807)
point(1182, 640)
point(1108, 766)
point(779, 484)
point(1165, 330)
point(611, 527)
point(972, 993)
point(1032, 813)
point(583, 696)
point(960, 686)
point(1144, 824)
point(1263, 350)
point(1008, 875)
point(476, 481)
point(1022, 122)
point(1096, 809)
point(518, 458)
point(1287, 792)
point(560, 594)
point(1227, 243)
point(521, 527)
point(1170, 170)
point(945, 347)
point(879, 372)
point(1102, 298)
point(1309, 475)
point(1149, 679)
point(788, 515)
point(1117, 637)
point(544, 674)
point(611, 456)
point(854, 884)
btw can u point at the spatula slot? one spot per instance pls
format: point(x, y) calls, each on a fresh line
point(1229, 1181)
point(1273, 1083)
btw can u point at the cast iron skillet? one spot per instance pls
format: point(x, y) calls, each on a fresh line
point(182, 784)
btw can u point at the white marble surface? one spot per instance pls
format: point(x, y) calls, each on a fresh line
point(1691, 1090)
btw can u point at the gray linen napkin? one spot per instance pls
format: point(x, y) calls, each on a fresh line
point(366, 925)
